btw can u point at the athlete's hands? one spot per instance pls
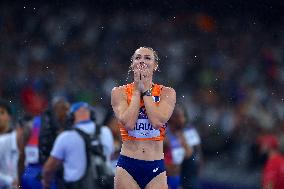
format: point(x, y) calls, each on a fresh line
point(137, 78)
point(146, 79)
point(142, 77)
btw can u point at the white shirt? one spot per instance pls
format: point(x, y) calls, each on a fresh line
point(107, 141)
point(192, 137)
point(9, 155)
point(69, 147)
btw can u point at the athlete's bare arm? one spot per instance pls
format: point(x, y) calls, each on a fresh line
point(126, 114)
point(161, 113)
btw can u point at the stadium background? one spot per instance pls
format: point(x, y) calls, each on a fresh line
point(224, 58)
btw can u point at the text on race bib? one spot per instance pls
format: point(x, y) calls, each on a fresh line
point(144, 129)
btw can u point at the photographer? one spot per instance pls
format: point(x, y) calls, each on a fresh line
point(69, 147)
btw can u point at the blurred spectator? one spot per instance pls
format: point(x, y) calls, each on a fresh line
point(5, 117)
point(191, 166)
point(273, 172)
point(108, 141)
point(266, 143)
point(63, 151)
point(32, 172)
point(33, 101)
point(44, 131)
point(11, 147)
point(111, 122)
point(53, 121)
point(176, 147)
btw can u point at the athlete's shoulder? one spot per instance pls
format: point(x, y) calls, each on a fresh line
point(119, 92)
point(164, 87)
point(115, 89)
point(121, 87)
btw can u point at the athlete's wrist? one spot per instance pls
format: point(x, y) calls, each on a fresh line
point(136, 93)
point(147, 92)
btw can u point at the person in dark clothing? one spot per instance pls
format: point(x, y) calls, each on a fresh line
point(53, 122)
point(45, 129)
point(191, 165)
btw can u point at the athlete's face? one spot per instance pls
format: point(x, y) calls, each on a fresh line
point(144, 59)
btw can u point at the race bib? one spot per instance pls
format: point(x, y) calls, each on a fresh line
point(32, 154)
point(144, 129)
point(178, 155)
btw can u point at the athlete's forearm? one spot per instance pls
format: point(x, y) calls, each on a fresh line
point(130, 115)
point(156, 115)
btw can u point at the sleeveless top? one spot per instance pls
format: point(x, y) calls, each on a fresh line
point(143, 129)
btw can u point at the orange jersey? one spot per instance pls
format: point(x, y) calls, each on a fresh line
point(143, 129)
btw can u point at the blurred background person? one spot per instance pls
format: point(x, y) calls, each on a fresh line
point(176, 148)
point(53, 121)
point(63, 151)
point(5, 117)
point(191, 165)
point(44, 131)
point(273, 171)
point(11, 150)
point(112, 123)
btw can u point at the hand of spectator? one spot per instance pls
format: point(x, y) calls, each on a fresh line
point(15, 184)
point(45, 185)
point(188, 149)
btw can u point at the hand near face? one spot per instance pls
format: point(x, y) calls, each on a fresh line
point(137, 78)
point(146, 80)
point(142, 77)
point(143, 66)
